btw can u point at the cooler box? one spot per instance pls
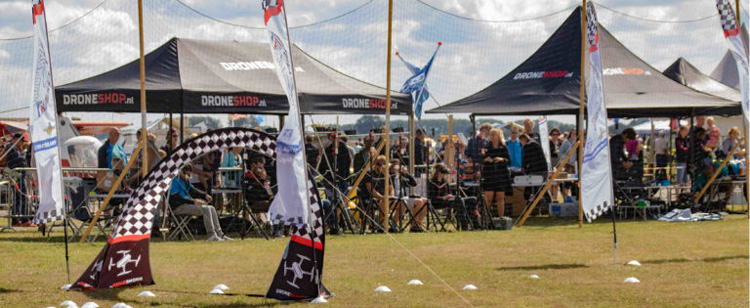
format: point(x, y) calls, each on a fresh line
point(567, 209)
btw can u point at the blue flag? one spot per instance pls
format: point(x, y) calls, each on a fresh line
point(416, 84)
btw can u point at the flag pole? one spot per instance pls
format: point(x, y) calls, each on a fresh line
point(387, 139)
point(144, 133)
point(744, 130)
point(59, 154)
point(582, 98)
point(301, 127)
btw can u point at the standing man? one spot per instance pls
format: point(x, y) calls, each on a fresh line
point(477, 144)
point(16, 159)
point(620, 163)
point(515, 148)
point(111, 150)
point(419, 152)
point(528, 128)
point(363, 156)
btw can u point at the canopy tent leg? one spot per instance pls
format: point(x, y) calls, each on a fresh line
point(182, 127)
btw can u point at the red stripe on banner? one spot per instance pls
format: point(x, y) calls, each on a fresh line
point(593, 48)
point(734, 32)
point(306, 242)
point(128, 238)
point(273, 11)
point(37, 10)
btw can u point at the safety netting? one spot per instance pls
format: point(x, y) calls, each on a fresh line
point(482, 41)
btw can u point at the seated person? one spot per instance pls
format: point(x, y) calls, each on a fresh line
point(182, 202)
point(441, 197)
point(257, 194)
point(372, 188)
point(402, 181)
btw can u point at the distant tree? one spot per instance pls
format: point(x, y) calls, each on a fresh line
point(367, 122)
point(211, 123)
point(250, 122)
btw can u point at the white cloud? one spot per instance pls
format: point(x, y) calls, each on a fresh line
point(105, 54)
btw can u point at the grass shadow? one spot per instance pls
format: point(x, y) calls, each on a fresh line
point(549, 222)
point(543, 267)
point(4, 290)
point(683, 260)
point(106, 294)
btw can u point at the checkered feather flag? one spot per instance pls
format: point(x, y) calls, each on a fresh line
point(596, 174)
point(731, 31)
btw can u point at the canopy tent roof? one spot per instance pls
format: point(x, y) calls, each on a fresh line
point(687, 74)
point(726, 70)
point(203, 76)
point(548, 82)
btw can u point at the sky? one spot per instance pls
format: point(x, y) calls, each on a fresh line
point(483, 40)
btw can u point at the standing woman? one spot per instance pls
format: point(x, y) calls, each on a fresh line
point(495, 174)
point(554, 152)
point(682, 152)
point(554, 145)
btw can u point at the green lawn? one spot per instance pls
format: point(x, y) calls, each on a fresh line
point(701, 264)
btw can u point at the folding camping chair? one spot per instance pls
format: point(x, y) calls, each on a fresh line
point(367, 208)
point(77, 192)
point(176, 224)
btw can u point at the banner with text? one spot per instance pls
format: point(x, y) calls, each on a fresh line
point(596, 176)
point(43, 124)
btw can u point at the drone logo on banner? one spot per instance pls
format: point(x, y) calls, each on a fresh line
point(122, 264)
point(297, 270)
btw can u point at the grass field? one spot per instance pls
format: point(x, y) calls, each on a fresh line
point(701, 264)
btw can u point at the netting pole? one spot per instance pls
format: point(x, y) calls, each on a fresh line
point(412, 138)
point(579, 123)
point(388, 116)
point(144, 133)
point(744, 133)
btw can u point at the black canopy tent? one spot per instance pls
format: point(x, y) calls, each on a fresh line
point(548, 83)
point(202, 76)
point(686, 74)
point(726, 70)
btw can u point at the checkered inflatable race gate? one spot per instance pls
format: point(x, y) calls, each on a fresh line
point(124, 261)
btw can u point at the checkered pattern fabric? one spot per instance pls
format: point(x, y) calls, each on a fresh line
point(317, 219)
point(599, 210)
point(138, 214)
point(591, 24)
point(48, 217)
point(726, 13)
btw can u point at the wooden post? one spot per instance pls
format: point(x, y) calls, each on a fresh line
point(450, 149)
point(582, 98)
point(546, 187)
point(111, 192)
point(386, 189)
point(144, 132)
point(747, 159)
point(716, 173)
point(744, 133)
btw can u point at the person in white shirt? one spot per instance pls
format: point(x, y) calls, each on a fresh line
point(661, 157)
